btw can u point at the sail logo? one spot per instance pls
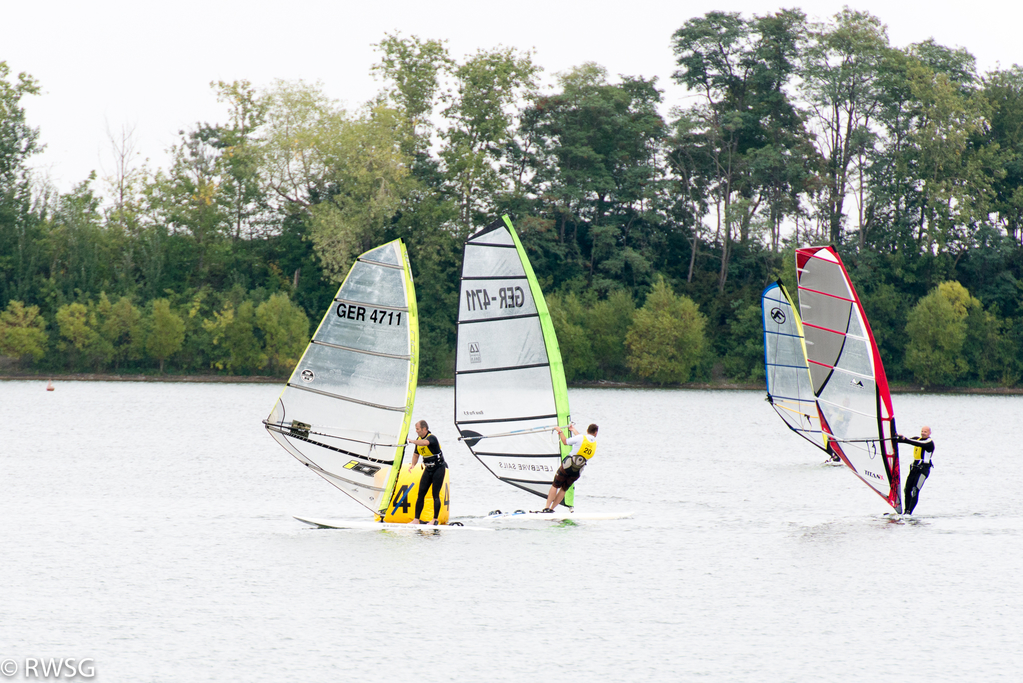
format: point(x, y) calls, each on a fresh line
point(356, 466)
point(308, 375)
point(856, 383)
point(474, 353)
point(778, 315)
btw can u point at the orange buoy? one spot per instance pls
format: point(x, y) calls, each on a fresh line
point(49, 386)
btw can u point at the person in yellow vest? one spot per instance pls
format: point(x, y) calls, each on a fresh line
point(923, 449)
point(434, 466)
point(584, 446)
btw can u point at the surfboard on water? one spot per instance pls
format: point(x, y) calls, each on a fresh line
point(556, 516)
point(364, 524)
point(510, 389)
point(345, 412)
point(846, 373)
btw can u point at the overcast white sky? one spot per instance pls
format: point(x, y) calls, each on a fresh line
point(106, 64)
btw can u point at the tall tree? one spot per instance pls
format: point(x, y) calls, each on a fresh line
point(414, 69)
point(1003, 90)
point(237, 162)
point(597, 158)
point(740, 68)
point(345, 175)
point(19, 239)
point(481, 120)
point(840, 68)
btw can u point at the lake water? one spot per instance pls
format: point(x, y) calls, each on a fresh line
point(147, 527)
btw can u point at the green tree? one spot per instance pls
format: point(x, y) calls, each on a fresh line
point(594, 148)
point(345, 175)
point(285, 329)
point(988, 350)
point(481, 121)
point(79, 250)
point(165, 333)
point(121, 326)
point(238, 161)
point(936, 328)
point(22, 331)
point(19, 246)
point(740, 69)
point(666, 340)
point(1003, 90)
point(840, 82)
point(77, 330)
point(413, 68)
point(234, 331)
point(569, 315)
point(744, 359)
point(954, 174)
point(189, 200)
point(607, 323)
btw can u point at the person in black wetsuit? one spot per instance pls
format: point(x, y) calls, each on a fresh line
point(923, 449)
point(434, 468)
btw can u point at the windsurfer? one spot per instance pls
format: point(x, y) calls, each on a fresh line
point(923, 449)
point(434, 468)
point(584, 446)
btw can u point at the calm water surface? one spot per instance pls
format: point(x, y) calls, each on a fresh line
point(148, 527)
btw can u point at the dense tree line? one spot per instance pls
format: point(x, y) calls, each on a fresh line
point(653, 234)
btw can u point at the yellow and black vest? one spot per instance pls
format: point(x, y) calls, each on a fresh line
point(430, 459)
point(587, 449)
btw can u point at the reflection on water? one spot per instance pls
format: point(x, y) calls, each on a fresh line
point(148, 526)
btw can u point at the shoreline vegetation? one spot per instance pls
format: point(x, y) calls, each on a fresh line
point(652, 234)
point(719, 385)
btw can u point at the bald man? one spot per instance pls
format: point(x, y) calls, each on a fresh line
point(923, 449)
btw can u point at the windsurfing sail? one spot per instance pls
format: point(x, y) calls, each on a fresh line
point(846, 373)
point(346, 410)
point(789, 389)
point(510, 388)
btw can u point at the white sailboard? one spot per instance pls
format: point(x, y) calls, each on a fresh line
point(346, 410)
point(366, 525)
point(846, 374)
point(556, 516)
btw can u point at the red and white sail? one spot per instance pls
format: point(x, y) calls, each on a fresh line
point(846, 372)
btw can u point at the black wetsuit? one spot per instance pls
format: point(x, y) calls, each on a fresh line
point(433, 475)
point(918, 471)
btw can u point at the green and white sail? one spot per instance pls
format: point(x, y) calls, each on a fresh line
point(510, 388)
point(346, 411)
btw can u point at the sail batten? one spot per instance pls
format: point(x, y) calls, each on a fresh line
point(345, 398)
point(506, 317)
point(508, 369)
point(510, 419)
point(365, 351)
point(509, 377)
point(358, 375)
